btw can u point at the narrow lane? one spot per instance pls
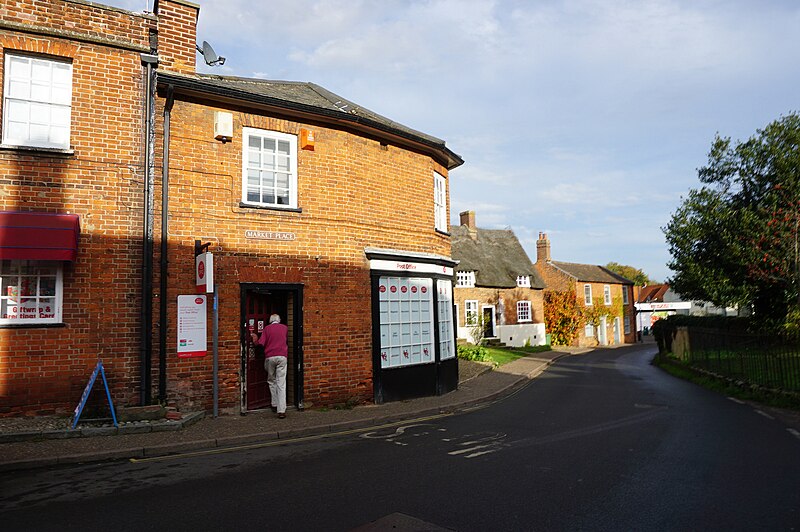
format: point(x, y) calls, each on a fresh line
point(602, 441)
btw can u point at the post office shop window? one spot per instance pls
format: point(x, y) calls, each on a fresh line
point(269, 168)
point(37, 102)
point(30, 292)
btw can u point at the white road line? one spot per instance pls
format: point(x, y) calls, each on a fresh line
point(794, 433)
point(473, 455)
point(735, 400)
point(462, 451)
point(759, 412)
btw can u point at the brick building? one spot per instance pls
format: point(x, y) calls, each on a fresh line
point(314, 208)
point(496, 286)
point(594, 286)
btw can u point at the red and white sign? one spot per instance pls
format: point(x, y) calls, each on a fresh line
point(204, 273)
point(192, 328)
point(416, 267)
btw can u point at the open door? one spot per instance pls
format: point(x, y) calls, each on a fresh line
point(259, 301)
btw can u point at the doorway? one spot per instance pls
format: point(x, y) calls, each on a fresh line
point(617, 337)
point(259, 301)
point(488, 321)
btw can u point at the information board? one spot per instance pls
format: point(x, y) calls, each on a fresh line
point(192, 326)
point(406, 320)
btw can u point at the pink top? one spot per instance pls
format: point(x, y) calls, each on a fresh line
point(273, 338)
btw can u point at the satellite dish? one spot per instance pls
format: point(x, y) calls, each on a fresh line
point(210, 56)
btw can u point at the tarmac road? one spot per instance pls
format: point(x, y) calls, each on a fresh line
point(602, 441)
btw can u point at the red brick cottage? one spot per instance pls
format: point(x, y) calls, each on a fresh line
point(594, 286)
point(314, 208)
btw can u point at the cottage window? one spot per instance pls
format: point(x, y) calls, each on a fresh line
point(440, 202)
point(524, 281)
point(470, 313)
point(588, 330)
point(37, 102)
point(627, 325)
point(606, 294)
point(523, 311)
point(465, 279)
point(269, 169)
point(587, 295)
point(30, 292)
point(624, 295)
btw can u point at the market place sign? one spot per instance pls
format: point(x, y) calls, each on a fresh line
point(268, 235)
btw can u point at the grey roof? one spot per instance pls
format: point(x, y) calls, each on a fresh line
point(495, 255)
point(591, 273)
point(308, 98)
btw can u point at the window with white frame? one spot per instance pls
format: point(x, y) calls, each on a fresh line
point(624, 295)
point(269, 168)
point(30, 292)
point(606, 294)
point(440, 201)
point(447, 348)
point(37, 102)
point(587, 295)
point(523, 311)
point(465, 279)
point(627, 325)
point(524, 281)
point(470, 313)
point(588, 330)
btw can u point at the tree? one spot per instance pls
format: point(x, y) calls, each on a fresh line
point(562, 315)
point(636, 275)
point(734, 241)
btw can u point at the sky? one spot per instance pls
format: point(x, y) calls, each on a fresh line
point(583, 119)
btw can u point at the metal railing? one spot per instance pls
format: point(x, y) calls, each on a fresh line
point(769, 360)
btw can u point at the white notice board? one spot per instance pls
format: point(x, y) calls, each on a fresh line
point(192, 328)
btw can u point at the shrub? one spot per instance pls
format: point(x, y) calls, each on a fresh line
point(473, 352)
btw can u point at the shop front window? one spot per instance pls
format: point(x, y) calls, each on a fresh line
point(30, 292)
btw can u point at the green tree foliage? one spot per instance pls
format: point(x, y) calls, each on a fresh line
point(735, 240)
point(636, 275)
point(562, 316)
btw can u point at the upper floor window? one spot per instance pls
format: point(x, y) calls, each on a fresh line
point(440, 201)
point(524, 281)
point(269, 168)
point(465, 279)
point(30, 292)
point(624, 295)
point(587, 295)
point(606, 294)
point(523, 311)
point(37, 102)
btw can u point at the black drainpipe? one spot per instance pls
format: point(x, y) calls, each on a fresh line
point(145, 340)
point(162, 315)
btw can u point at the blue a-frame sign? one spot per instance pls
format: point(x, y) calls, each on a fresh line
point(79, 409)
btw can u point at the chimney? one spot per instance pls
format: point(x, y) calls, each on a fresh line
point(468, 219)
point(177, 35)
point(542, 248)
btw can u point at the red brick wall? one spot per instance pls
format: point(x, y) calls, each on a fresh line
point(177, 35)
point(353, 194)
point(44, 370)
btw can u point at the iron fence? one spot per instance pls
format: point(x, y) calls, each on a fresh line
point(769, 360)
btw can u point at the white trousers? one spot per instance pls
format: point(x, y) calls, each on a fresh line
point(276, 379)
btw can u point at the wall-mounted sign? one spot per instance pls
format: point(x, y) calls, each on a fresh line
point(192, 326)
point(415, 267)
point(268, 235)
point(204, 273)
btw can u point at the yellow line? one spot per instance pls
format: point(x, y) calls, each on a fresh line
point(273, 443)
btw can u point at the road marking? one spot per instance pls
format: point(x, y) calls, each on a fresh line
point(794, 433)
point(470, 449)
point(473, 455)
point(759, 412)
point(737, 400)
point(273, 443)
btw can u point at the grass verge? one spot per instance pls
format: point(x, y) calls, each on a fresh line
point(741, 391)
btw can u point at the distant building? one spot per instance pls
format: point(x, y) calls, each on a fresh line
point(657, 301)
point(497, 285)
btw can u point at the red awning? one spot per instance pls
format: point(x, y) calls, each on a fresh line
point(38, 236)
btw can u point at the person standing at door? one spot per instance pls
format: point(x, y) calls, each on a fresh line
point(276, 350)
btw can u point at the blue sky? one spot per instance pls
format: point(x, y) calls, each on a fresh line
point(584, 119)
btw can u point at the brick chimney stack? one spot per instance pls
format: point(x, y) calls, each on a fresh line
point(177, 35)
point(542, 248)
point(468, 219)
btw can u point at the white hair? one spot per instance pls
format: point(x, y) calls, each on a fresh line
point(274, 318)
